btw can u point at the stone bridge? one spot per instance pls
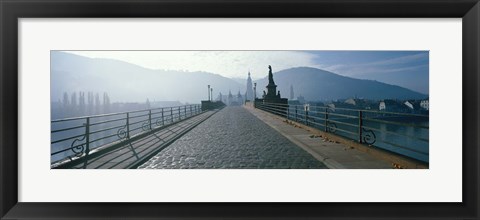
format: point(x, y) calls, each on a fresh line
point(241, 137)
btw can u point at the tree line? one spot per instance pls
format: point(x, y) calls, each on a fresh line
point(81, 103)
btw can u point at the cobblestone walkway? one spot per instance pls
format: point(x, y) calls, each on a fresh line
point(233, 138)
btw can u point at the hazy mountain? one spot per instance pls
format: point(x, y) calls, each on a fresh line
point(128, 82)
point(241, 81)
point(317, 84)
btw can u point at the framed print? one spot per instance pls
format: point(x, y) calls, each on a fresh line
point(93, 132)
point(225, 109)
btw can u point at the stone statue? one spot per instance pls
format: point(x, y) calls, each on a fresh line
point(264, 94)
point(278, 94)
point(270, 75)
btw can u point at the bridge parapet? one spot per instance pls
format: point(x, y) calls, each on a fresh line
point(400, 133)
point(210, 105)
point(74, 138)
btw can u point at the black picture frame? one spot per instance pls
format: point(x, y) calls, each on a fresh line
point(12, 10)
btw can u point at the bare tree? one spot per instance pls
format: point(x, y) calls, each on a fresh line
point(65, 102)
point(82, 103)
point(97, 104)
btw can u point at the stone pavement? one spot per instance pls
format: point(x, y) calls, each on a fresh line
point(332, 154)
point(233, 138)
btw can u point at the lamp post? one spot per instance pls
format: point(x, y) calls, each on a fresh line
point(254, 95)
point(208, 92)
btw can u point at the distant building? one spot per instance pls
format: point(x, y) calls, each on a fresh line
point(355, 103)
point(249, 92)
point(409, 105)
point(382, 106)
point(230, 99)
point(351, 101)
point(223, 98)
point(424, 104)
point(239, 98)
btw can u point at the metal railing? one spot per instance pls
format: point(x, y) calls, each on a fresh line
point(402, 133)
point(77, 137)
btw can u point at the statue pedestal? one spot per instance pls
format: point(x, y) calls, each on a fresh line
point(276, 104)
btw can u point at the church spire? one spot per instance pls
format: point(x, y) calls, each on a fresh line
point(249, 91)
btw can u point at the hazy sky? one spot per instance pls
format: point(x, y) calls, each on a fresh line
point(408, 69)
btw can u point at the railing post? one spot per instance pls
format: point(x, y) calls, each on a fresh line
point(288, 111)
point(306, 116)
point(87, 142)
point(150, 118)
point(191, 112)
point(128, 126)
point(171, 114)
point(87, 136)
point(296, 114)
point(326, 119)
point(163, 119)
point(179, 116)
point(185, 111)
point(360, 123)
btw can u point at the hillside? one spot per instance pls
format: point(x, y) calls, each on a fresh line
point(128, 82)
point(317, 84)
